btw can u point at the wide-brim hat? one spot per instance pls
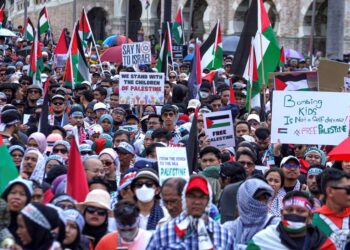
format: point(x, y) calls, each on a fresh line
point(97, 198)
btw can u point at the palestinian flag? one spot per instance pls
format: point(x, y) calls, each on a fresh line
point(218, 121)
point(195, 78)
point(36, 61)
point(177, 29)
point(43, 23)
point(165, 53)
point(257, 26)
point(68, 79)
point(61, 49)
point(211, 49)
point(2, 15)
point(291, 82)
point(252, 75)
point(282, 61)
point(85, 32)
point(80, 66)
point(30, 31)
point(8, 169)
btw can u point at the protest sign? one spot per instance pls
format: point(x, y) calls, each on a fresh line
point(60, 60)
point(136, 53)
point(219, 128)
point(331, 75)
point(309, 117)
point(301, 80)
point(172, 162)
point(178, 51)
point(141, 88)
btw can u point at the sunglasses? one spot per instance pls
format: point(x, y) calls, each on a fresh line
point(86, 153)
point(58, 103)
point(99, 211)
point(347, 189)
point(107, 163)
point(62, 150)
point(140, 184)
point(33, 91)
point(291, 165)
point(298, 147)
point(3, 99)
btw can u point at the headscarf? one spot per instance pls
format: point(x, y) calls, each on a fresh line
point(40, 139)
point(317, 151)
point(55, 157)
point(16, 147)
point(253, 213)
point(109, 118)
point(40, 220)
point(39, 169)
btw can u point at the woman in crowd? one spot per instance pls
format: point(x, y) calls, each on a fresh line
point(74, 239)
point(95, 210)
point(111, 165)
point(52, 161)
point(61, 148)
point(17, 194)
point(275, 179)
point(34, 220)
point(37, 140)
point(106, 122)
point(17, 153)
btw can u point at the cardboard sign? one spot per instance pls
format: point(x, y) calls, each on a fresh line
point(308, 117)
point(219, 128)
point(141, 88)
point(331, 75)
point(172, 162)
point(136, 53)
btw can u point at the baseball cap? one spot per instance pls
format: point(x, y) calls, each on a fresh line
point(126, 148)
point(148, 173)
point(100, 105)
point(168, 108)
point(288, 158)
point(253, 117)
point(198, 182)
point(193, 104)
point(58, 96)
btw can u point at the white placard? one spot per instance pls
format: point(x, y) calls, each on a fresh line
point(347, 84)
point(141, 88)
point(172, 162)
point(219, 128)
point(136, 53)
point(308, 117)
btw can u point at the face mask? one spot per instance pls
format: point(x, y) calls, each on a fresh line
point(128, 235)
point(203, 94)
point(294, 223)
point(145, 194)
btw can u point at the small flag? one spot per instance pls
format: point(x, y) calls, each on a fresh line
point(282, 130)
point(232, 94)
point(282, 57)
point(252, 76)
point(43, 23)
point(85, 32)
point(177, 28)
point(165, 53)
point(8, 169)
point(218, 121)
point(61, 49)
point(291, 82)
point(2, 15)
point(195, 78)
point(30, 30)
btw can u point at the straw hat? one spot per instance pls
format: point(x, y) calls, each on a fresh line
point(96, 198)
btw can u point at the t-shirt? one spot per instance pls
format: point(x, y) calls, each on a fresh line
point(110, 241)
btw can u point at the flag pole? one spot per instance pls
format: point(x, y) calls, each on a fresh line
point(262, 100)
point(250, 73)
point(216, 41)
point(190, 21)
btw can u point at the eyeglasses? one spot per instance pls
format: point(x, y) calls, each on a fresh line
point(172, 77)
point(99, 211)
point(291, 165)
point(86, 153)
point(62, 150)
point(200, 121)
point(347, 189)
point(148, 184)
point(33, 91)
point(107, 163)
point(248, 163)
point(58, 103)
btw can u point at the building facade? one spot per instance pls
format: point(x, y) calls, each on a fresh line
point(291, 19)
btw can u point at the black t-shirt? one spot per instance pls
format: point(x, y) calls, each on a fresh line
point(299, 241)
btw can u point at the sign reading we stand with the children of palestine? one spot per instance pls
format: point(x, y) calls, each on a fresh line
point(136, 53)
point(138, 88)
point(309, 117)
point(219, 128)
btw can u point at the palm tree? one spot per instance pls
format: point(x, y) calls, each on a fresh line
point(335, 29)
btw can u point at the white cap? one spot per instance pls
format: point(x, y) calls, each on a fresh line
point(193, 104)
point(100, 105)
point(253, 117)
point(288, 158)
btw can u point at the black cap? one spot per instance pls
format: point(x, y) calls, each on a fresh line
point(168, 108)
point(132, 116)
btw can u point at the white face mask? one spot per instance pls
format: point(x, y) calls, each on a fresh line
point(145, 194)
point(203, 94)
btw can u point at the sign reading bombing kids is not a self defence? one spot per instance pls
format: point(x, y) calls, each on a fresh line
point(219, 129)
point(141, 88)
point(308, 117)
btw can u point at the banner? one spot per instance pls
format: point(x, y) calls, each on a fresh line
point(172, 162)
point(219, 128)
point(309, 117)
point(136, 53)
point(141, 88)
point(293, 81)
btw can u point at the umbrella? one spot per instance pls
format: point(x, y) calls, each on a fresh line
point(291, 53)
point(6, 32)
point(113, 54)
point(116, 40)
point(229, 44)
point(340, 152)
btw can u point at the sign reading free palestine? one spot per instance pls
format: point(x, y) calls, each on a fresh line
point(309, 117)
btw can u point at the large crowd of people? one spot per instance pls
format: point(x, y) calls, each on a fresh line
point(299, 200)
